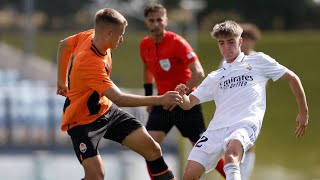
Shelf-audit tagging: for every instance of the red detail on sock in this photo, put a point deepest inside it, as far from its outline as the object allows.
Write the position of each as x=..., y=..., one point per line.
x=150, y=174
x=220, y=166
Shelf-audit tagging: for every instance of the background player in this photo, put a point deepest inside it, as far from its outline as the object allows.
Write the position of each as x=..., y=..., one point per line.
x=169, y=60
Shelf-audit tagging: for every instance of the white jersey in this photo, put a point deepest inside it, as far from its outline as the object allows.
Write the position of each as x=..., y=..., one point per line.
x=223, y=60
x=239, y=89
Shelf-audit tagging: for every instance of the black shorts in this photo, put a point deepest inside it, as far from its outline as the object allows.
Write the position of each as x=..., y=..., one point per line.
x=115, y=125
x=190, y=123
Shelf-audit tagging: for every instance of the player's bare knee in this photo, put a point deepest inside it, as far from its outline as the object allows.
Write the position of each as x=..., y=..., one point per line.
x=231, y=158
x=156, y=149
x=233, y=155
x=234, y=151
x=154, y=152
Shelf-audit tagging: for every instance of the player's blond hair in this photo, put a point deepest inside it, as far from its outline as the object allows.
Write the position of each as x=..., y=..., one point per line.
x=108, y=16
x=226, y=29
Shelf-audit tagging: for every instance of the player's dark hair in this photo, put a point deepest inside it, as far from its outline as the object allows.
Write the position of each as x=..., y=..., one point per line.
x=153, y=7
x=250, y=31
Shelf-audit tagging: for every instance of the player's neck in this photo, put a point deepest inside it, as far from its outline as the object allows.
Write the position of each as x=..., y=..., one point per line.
x=231, y=60
x=99, y=45
x=247, y=52
x=157, y=38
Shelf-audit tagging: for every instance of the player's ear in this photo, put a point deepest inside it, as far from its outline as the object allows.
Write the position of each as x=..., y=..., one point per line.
x=146, y=21
x=166, y=20
x=240, y=41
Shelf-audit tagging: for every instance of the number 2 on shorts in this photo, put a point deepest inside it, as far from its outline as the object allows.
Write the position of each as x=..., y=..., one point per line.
x=201, y=140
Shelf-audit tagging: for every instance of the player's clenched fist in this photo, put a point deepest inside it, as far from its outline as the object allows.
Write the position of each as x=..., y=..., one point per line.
x=182, y=89
x=170, y=98
x=62, y=89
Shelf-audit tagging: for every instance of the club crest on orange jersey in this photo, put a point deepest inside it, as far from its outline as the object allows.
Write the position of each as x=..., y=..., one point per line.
x=83, y=147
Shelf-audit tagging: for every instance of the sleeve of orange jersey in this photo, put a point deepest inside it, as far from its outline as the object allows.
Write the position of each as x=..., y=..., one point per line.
x=66, y=49
x=94, y=75
x=185, y=51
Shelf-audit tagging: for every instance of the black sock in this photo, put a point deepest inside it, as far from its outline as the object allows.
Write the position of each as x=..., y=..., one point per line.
x=159, y=169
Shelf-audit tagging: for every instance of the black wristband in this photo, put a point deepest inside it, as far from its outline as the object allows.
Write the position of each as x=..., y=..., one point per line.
x=148, y=89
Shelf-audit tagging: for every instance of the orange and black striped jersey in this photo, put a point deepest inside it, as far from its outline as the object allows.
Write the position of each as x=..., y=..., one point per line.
x=88, y=77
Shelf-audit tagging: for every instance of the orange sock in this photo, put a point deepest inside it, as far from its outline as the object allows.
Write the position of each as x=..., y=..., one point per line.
x=220, y=166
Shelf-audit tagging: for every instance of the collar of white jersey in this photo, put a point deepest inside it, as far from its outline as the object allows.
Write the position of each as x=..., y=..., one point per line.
x=238, y=59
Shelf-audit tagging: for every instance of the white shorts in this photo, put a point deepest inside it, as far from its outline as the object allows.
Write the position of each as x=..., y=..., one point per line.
x=213, y=144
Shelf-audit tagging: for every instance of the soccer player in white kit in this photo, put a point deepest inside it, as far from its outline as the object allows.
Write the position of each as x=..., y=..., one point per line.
x=239, y=92
x=250, y=35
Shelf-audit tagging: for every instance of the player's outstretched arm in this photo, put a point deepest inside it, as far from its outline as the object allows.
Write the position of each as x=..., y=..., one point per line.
x=197, y=74
x=188, y=100
x=298, y=91
x=131, y=100
x=63, y=56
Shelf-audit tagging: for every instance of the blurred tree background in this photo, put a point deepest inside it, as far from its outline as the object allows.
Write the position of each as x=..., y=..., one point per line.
x=61, y=18
x=75, y=14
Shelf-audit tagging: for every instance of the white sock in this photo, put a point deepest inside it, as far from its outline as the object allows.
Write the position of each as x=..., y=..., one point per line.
x=232, y=171
x=246, y=167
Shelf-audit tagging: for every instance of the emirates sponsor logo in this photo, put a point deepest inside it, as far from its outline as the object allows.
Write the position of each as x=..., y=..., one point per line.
x=234, y=82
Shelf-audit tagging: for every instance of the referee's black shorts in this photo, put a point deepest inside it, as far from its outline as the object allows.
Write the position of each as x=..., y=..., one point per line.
x=190, y=123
